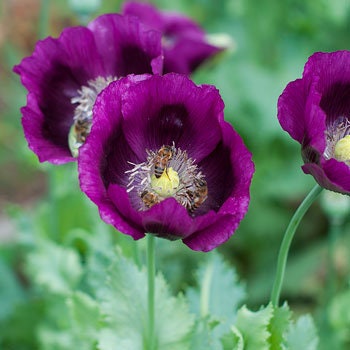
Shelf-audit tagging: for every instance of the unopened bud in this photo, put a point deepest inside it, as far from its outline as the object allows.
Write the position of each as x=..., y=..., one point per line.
x=335, y=205
x=84, y=8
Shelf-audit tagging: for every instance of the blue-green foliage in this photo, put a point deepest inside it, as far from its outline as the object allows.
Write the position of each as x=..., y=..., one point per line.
x=215, y=299
x=270, y=329
x=99, y=301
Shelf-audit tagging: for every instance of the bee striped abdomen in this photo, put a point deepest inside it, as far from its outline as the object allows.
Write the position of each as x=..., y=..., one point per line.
x=161, y=161
x=149, y=198
x=199, y=195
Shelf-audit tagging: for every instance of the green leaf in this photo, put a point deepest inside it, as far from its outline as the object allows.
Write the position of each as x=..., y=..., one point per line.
x=217, y=296
x=233, y=340
x=219, y=293
x=19, y=330
x=54, y=331
x=99, y=258
x=52, y=339
x=54, y=268
x=124, y=307
x=339, y=315
x=85, y=315
x=11, y=293
x=278, y=326
x=270, y=329
x=70, y=323
x=254, y=327
x=302, y=335
x=202, y=335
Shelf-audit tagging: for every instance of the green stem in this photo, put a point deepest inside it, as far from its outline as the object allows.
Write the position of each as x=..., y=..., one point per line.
x=333, y=234
x=331, y=280
x=151, y=269
x=287, y=240
x=44, y=19
x=136, y=254
x=54, y=222
x=205, y=289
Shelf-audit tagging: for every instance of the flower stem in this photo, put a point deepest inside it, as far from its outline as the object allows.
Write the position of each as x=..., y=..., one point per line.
x=287, y=240
x=205, y=289
x=44, y=19
x=333, y=234
x=151, y=269
x=52, y=199
x=331, y=278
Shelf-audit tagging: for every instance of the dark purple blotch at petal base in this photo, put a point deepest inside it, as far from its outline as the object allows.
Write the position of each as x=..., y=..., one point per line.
x=110, y=46
x=307, y=109
x=131, y=116
x=178, y=112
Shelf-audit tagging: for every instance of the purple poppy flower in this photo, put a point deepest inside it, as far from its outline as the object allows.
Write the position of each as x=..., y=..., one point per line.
x=184, y=41
x=161, y=159
x=63, y=77
x=315, y=111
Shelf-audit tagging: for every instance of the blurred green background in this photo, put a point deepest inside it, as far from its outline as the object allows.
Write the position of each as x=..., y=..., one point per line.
x=271, y=41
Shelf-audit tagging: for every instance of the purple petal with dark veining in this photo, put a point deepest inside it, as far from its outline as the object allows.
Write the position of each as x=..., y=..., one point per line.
x=230, y=190
x=332, y=175
x=52, y=75
x=184, y=42
x=126, y=46
x=225, y=163
x=36, y=134
x=98, y=164
x=172, y=109
x=309, y=106
x=291, y=109
x=112, y=45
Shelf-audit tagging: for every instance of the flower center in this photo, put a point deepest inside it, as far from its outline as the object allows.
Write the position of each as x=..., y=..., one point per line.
x=338, y=140
x=168, y=172
x=82, y=120
x=167, y=184
x=342, y=149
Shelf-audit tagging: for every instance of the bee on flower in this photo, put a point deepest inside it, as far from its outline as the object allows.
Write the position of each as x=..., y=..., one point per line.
x=161, y=159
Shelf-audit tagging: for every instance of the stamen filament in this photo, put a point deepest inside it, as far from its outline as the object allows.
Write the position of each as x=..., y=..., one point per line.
x=168, y=172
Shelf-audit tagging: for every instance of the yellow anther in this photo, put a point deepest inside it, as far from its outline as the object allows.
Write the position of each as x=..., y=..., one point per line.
x=167, y=184
x=342, y=149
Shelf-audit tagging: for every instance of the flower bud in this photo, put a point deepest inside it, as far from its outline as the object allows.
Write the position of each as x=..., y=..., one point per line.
x=335, y=205
x=84, y=8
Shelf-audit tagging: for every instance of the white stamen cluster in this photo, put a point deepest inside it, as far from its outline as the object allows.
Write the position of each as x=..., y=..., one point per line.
x=141, y=177
x=83, y=111
x=87, y=96
x=339, y=129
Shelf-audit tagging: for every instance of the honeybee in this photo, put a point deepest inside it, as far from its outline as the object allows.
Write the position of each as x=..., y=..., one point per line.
x=199, y=195
x=149, y=198
x=77, y=135
x=82, y=129
x=161, y=160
